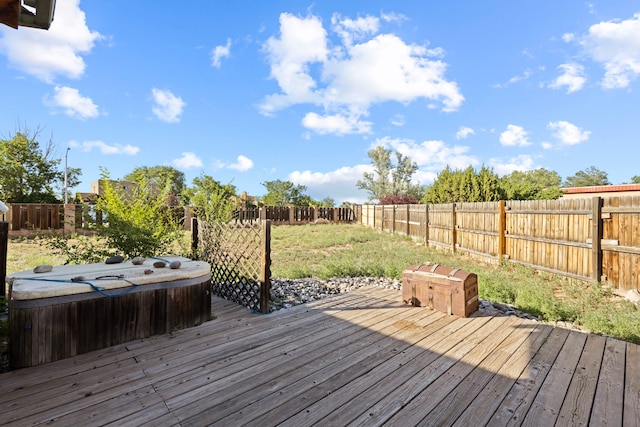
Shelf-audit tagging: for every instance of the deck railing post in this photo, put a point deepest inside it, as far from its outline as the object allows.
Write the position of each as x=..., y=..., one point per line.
x=265, y=267
x=4, y=239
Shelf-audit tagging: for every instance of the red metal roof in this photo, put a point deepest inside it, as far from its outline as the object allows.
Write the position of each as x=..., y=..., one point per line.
x=601, y=189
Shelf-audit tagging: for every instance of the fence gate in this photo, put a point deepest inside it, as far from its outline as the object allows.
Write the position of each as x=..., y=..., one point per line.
x=240, y=258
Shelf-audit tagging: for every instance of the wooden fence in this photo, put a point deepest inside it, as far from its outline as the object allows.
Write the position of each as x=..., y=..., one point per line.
x=27, y=218
x=295, y=215
x=596, y=239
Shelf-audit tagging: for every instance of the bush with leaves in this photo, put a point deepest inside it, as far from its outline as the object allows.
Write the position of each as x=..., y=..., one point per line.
x=137, y=222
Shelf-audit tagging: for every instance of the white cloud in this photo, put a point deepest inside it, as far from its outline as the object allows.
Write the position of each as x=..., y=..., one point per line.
x=339, y=184
x=515, y=79
x=302, y=41
x=351, y=30
x=73, y=104
x=616, y=45
x=514, y=135
x=187, y=161
x=573, y=78
x=398, y=120
x=220, y=52
x=167, y=107
x=567, y=133
x=547, y=145
x=335, y=124
x=523, y=162
x=355, y=74
x=393, y=17
x=431, y=155
x=242, y=164
x=104, y=148
x=464, y=132
x=56, y=52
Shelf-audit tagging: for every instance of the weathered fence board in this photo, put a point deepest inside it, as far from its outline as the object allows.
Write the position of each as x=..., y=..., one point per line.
x=594, y=239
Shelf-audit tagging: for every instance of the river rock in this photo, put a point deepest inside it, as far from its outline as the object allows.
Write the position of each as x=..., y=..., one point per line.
x=159, y=264
x=114, y=259
x=137, y=260
x=45, y=268
x=175, y=265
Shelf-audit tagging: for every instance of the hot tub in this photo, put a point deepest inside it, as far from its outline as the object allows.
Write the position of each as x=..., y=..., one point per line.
x=52, y=317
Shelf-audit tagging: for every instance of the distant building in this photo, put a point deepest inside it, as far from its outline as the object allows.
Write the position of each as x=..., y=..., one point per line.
x=125, y=188
x=601, y=191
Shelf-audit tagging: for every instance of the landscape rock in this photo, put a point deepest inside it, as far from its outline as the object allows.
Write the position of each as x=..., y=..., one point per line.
x=633, y=296
x=45, y=268
x=137, y=260
x=117, y=259
x=159, y=264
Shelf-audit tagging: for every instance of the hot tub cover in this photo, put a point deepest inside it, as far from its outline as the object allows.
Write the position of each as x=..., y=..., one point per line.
x=27, y=285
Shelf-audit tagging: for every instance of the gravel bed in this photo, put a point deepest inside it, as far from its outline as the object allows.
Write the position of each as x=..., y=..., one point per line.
x=285, y=293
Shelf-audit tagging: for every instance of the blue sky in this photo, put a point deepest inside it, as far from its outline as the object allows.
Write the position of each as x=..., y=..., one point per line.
x=249, y=92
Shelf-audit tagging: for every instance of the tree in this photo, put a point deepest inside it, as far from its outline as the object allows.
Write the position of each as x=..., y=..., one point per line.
x=635, y=179
x=281, y=193
x=539, y=184
x=211, y=200
x=29, y=174
x=164, y=178
x=453, y=186
x=327, y=202
x=388, y=179
x=588, y=177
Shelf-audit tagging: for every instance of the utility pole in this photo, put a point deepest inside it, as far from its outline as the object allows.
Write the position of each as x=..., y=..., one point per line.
x=65, y=175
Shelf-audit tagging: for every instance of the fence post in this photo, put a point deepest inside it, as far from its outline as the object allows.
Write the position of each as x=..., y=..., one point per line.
x=453, y=228
x=408, y=222
x=4, y=239
x=596, y=238
x=426, y=224
x=374, y=217
x=265, y=267
x=393, y=220
x=69, y=225
x=194, y=237
x=502, y=230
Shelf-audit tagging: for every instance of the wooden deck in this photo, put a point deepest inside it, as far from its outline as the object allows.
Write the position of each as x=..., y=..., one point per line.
x=361, y=358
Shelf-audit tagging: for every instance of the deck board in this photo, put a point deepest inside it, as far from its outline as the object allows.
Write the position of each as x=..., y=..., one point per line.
x=359, y=358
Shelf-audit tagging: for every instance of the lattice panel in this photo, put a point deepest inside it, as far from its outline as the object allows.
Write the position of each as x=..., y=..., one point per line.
x=235, y=254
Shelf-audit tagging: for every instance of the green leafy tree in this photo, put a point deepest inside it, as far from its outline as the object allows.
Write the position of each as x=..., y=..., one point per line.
x=210, y=199
x=452, y=186
x=635, y=179
x=165, y=179
x=29, y=173
x=538, y=184
x=327, y=202
x=281, y=193
x=387, y=178
x=588, y=177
